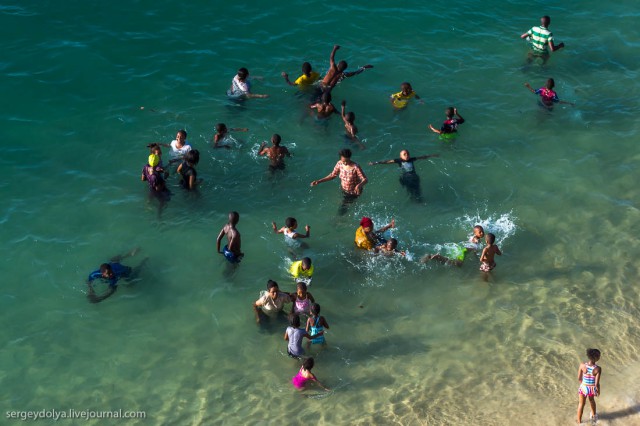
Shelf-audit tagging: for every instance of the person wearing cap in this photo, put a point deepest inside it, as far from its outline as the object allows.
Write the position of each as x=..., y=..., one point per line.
x=352, y=178
x=152, y=173
x=367, y=238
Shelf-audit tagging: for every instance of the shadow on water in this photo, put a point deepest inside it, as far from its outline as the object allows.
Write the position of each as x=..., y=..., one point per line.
x=629, y=411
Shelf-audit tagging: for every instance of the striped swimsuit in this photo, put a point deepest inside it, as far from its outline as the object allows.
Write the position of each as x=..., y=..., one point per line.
x=588, y=386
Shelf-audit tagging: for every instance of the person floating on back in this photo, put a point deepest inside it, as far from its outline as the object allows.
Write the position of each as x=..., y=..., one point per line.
x=541, y=39
x=449, y=129
x=401, y=99
x=548, y=96
x=409, y=178
x=589, y=377
x=337, y=72
x=231, y=251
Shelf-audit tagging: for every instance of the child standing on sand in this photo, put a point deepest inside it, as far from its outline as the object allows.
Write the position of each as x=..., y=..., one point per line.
x=486, y=259
x=589, y=377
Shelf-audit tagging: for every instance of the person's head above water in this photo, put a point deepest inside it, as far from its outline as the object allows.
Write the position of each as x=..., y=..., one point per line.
x=490, y=239
x=315, y=309
x=350, y=117
x=301, y=289
x=545, y=21
x=243, y=73
x=308, y=364
x=478, y=231
x=294, y=320
x=275, y=139
x=406, y=88
x=342, y=65
x=366, y=223
x=221, y=128
x=392, y=243
x=550, y=84
x=306, y=68
x=306, y=263
x=290, y=222
x=326, y=98
x=106, y=271
x=404, y=155
x=234, y=218
x=272, y=289
x=345, y=156
x=181, y=136
x=192, y=157
x=449, y=112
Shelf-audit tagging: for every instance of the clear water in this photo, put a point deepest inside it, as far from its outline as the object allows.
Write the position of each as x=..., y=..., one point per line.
x=409, y=343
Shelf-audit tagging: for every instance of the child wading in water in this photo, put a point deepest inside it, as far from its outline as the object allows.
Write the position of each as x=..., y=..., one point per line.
x=400, y=100
x=305, y=375
x=449, y=129
x=589, y=377
x=316, y=324
x=486, y=259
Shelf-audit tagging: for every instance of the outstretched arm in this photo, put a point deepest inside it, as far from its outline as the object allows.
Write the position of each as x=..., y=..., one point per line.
x=286, y=78
x=422, y=157
x=381, y=162
x=263, y=149
x=528, y=86
x=433, y=129
x=390, y=225
x=93, y=298
x=324, y=179
x=358, y=71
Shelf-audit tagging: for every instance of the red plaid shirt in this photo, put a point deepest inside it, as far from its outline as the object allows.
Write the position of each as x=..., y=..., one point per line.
x=350, y=176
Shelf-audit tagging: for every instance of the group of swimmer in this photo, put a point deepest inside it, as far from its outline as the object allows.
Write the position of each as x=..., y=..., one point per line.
x=271, y=303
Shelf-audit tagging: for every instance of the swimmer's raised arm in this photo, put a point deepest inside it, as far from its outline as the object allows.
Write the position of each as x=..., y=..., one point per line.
x=528, y=86
x=263, y=149
x=332, y=57
x=307, y=228
x=275, y=228
x=390, y=225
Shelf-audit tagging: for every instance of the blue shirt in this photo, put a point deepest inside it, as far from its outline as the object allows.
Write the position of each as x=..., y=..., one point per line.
x=119, y=271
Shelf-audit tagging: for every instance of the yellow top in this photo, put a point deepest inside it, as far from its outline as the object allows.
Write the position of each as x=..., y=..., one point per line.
x=362, y=241
x=296, y=270
x=400, y=100
x=303, y=80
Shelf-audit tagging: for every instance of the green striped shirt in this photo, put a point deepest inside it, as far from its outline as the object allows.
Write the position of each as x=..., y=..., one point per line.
x=540, y=38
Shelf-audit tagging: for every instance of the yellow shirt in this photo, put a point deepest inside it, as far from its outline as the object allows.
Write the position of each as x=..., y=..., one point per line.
x=400, y=100
x=303, y=80
x=362, y=241
x=296, y=270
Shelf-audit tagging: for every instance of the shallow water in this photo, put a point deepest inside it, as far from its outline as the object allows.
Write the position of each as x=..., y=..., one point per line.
x=409, y=343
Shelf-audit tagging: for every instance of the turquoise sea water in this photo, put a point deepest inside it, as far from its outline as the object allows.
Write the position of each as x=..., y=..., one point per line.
x=409, y=343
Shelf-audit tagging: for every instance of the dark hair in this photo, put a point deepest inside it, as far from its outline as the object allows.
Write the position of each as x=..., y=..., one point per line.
x=192, y=157
x=271, y=284
x=449, y=112
x=394, y=242
x=350, y=117
x=301, y=286
x=550, y=83
x=105, y=267
x=234, y=217
x=346, y=153
x=546, y=20
x=342, y=65
x=153, y=147
x=308, y=363
x=593, y=354
x=315, y=309
x=243, y=73
x=479, y=227
x=221, y=127
x=491, y=238
x=306, y=262
x=183, y=133
x=294, y=320
x=406, y=84
x=290, y=222
x=326, y=97
x=275, y=139
x=306, y=68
